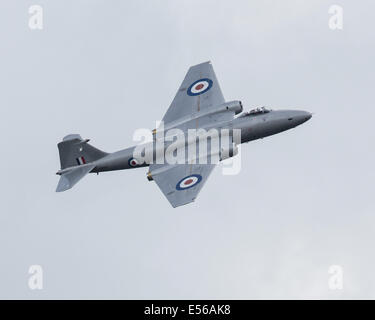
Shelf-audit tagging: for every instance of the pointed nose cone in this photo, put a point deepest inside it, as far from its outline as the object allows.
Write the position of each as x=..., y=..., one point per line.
x=307, y=116
x=303, y=116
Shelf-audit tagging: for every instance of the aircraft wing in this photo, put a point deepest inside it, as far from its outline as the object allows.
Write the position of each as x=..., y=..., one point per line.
x=198, y=91
x=181, y=183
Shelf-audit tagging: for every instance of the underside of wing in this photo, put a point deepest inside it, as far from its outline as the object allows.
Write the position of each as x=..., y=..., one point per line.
x=198, y=104
x=181, y=183
x=199, y=90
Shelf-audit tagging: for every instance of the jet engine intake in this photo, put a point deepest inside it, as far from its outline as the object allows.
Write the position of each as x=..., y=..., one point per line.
x=235, y=106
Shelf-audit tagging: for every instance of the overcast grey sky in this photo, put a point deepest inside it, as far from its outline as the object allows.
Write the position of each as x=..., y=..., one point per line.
x=303, y=201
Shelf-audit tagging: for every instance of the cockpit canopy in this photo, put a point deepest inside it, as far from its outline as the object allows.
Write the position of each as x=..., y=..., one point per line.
x=259, y=110
x=256, y=111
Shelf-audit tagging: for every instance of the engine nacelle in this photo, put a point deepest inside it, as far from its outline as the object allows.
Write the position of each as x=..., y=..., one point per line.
x=228, y=151
x=235, y=106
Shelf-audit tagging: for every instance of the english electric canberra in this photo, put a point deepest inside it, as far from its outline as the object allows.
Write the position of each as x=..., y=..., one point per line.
x=199, y=104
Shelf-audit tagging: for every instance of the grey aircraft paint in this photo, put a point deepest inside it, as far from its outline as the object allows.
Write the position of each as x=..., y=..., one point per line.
x=199, y=104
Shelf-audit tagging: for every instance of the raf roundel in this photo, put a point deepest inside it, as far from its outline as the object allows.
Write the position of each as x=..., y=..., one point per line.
x=133, y=162
x=188, y=182
x=199, y=87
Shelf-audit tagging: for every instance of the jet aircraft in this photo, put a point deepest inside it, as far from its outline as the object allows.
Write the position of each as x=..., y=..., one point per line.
x=198, y=104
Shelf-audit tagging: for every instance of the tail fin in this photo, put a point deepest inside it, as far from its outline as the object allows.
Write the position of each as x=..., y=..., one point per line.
x=76, y=157
x=76, y=151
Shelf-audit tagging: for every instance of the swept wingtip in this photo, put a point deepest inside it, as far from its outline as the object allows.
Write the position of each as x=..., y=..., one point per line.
x=202, y=63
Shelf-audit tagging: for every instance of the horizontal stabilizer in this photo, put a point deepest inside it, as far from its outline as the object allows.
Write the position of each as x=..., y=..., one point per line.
x=71, y=176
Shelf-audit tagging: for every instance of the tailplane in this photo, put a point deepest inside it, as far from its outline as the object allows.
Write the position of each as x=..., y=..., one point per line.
x=76, y=157
x=70, y=176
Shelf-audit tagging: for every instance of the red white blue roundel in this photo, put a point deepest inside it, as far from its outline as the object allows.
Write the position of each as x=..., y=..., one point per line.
x=189, y=182
x=133, y=162
x=199, y=87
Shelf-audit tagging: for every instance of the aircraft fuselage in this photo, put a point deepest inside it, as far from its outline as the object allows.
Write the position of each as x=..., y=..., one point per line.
x=252, y=127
